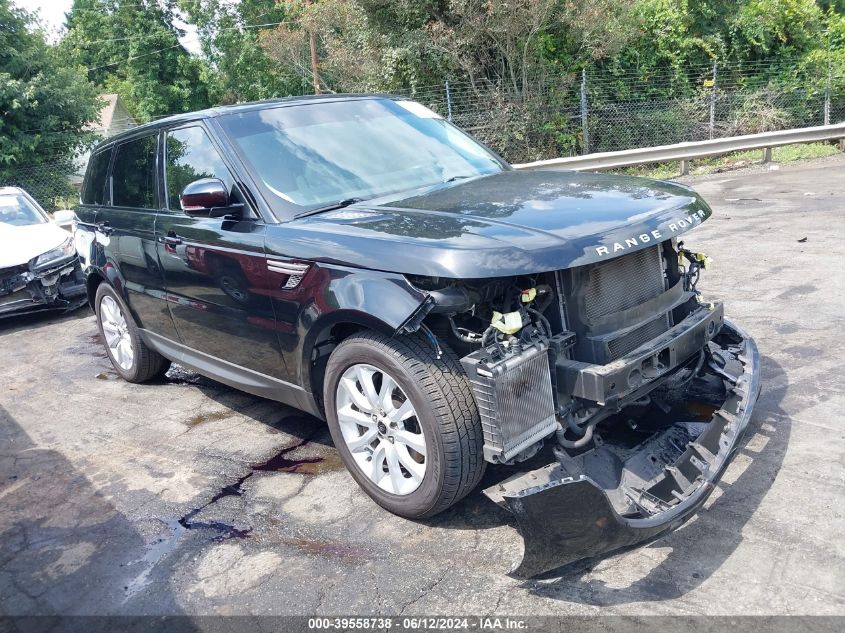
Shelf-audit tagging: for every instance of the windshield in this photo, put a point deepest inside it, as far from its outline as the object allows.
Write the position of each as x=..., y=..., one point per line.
x=18, y=211
x=317, y=154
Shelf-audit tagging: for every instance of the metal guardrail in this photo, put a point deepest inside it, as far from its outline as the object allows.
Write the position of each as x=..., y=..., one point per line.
x=687, y=151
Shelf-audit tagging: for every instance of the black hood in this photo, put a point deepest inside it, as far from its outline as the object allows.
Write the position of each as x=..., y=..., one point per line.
x=509, y=223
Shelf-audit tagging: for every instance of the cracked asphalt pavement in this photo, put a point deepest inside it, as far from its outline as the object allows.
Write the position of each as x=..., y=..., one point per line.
x=187, y=497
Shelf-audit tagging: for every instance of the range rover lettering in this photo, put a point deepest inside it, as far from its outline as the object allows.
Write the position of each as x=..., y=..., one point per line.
x=363, y=260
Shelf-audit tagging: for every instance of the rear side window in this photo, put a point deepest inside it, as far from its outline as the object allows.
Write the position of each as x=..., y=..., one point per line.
x=93, y=190
x=189, y=156
x=133, y=175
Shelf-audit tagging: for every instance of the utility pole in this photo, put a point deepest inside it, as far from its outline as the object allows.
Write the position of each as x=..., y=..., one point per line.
x=315, y=75
x=312, y=43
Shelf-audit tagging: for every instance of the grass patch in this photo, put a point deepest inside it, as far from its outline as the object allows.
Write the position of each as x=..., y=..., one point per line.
x=700, y=166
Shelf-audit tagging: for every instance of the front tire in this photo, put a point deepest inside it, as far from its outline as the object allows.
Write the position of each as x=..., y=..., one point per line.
x=129, y=355
x=404, y=422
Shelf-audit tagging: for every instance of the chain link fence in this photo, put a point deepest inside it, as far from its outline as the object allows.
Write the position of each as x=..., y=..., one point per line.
x=577, y=113
x=53, y=185
x=574, y=114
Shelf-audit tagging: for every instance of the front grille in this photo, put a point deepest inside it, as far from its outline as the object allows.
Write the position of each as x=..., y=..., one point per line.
x=514, y=398
x=624, y=282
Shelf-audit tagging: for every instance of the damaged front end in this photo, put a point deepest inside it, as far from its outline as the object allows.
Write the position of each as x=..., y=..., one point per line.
x=649, y=468
x=628, y=391
x=56, y=286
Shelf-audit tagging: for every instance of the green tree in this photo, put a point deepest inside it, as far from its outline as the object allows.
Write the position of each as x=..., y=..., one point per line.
x=240, y=70
x=44, y=109
x=776, y=29
x=666, y=43
x=132, y=48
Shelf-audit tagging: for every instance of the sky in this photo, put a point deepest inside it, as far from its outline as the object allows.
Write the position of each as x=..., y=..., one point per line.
x=52, y=14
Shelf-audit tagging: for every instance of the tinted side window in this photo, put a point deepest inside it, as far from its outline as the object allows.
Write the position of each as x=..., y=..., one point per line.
x=189, y=156
x=133, y=175
x=93, y=190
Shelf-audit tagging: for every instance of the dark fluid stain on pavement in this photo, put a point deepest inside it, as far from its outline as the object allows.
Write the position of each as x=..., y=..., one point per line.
x=804, y=351
x=278, y=463
x=202, y=418
x=93, y=346
x=156, y=552
x=315, y=465
x=165, y=545
x=282, y=464
x=307, y=465
x=226, y=531
x=797, y=291
x=326, y=549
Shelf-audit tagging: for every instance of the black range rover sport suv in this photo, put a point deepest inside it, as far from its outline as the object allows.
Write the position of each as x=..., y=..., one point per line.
x=362, y=259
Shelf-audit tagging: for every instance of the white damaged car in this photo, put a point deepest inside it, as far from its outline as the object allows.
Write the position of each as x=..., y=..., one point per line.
x=39, y=268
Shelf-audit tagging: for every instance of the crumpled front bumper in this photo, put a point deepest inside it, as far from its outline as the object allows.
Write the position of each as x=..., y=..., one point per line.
x=56, y=287
x=564, y=519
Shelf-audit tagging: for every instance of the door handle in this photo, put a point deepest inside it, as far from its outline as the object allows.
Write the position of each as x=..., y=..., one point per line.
x=171, y=239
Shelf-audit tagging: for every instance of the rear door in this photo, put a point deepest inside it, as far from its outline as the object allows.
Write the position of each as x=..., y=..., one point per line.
x=215, y=269
x=126, y=231
x=93, y=197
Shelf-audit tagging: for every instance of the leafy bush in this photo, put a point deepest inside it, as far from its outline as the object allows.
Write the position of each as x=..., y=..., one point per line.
x=758, y=113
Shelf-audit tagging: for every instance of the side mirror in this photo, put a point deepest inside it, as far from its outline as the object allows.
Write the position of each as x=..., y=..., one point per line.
x=64, y=218
x=207, y=197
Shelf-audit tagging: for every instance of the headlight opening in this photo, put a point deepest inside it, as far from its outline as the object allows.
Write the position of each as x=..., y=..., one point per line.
x=64, y=251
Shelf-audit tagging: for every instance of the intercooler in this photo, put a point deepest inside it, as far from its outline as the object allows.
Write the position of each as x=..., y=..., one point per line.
x=601, y=302
x=514, y=398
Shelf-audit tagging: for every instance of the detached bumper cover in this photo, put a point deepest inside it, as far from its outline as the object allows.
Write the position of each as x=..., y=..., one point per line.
x=563, y=519
x=55, y=287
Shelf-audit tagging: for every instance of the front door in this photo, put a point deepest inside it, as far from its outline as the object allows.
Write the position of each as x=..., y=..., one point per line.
x=215, y=269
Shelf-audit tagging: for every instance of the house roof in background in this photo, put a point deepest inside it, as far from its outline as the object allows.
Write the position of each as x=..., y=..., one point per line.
x=107, y=115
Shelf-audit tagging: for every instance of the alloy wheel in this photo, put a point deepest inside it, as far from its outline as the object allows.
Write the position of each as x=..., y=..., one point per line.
x=116, y=333
x=381, y=429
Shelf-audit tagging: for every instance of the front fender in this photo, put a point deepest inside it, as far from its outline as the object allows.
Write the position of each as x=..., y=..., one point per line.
x=383, y=302
x=386, y=300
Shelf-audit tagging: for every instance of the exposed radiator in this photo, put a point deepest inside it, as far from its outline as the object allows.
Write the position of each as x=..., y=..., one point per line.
x=623, y=282
x=596, y=294
x=514, y=398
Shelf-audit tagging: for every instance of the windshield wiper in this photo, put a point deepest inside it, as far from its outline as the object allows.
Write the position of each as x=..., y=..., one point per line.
x=329, y=207
x=454, y=178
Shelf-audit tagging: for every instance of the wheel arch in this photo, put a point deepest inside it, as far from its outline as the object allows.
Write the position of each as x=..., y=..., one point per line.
x=92, y=282
x=328, y=333
x=351, y=301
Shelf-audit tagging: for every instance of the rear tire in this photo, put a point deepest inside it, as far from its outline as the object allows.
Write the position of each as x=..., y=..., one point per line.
x=129, y=355
x=442, y=412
